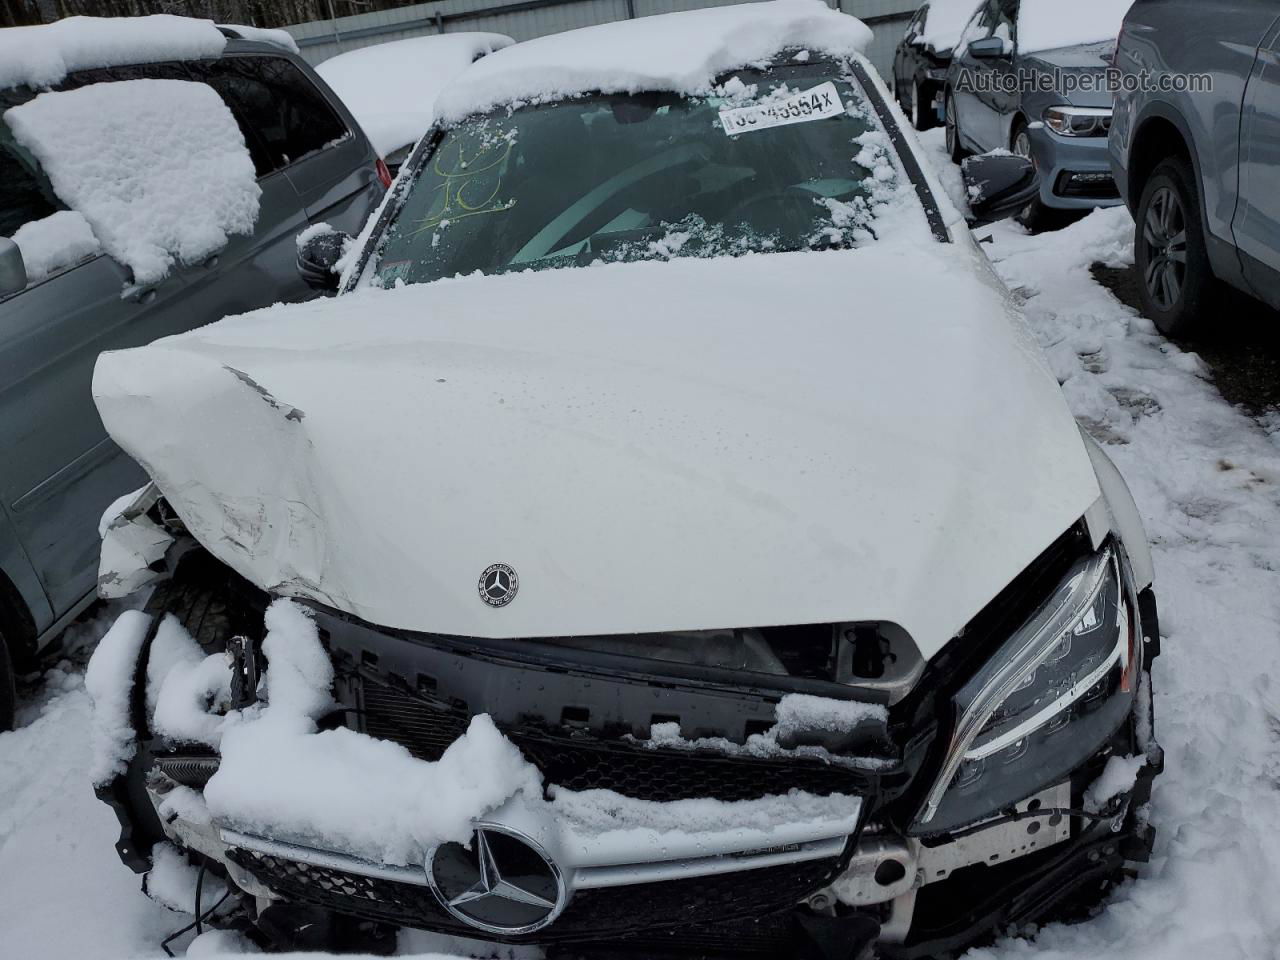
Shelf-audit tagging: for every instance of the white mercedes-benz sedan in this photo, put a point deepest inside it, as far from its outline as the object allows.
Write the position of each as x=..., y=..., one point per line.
x=669, y=538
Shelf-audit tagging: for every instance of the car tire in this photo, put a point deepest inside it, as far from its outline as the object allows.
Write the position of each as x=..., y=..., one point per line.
x=1175, y=279
x=8, y=694
x=209, y=600
x=951, y=123
x=922, y=117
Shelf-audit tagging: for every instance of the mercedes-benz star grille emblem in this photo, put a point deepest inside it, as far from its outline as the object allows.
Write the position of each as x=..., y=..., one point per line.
x=505, y=883
x=498, y=585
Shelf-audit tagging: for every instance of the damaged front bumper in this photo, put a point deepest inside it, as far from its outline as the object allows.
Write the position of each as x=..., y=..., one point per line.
x=746, y=886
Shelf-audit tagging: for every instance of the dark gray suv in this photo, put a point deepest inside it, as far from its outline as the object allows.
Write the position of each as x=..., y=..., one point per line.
x=1195, y=148
x=58, y=469
x=1027, y=78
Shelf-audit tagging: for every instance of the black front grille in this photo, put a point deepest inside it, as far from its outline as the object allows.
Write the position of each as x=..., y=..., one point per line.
x=426, y=726
x=728, y=909
x=1091, y=186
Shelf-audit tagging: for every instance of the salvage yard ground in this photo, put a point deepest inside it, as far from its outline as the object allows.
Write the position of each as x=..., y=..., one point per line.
x=1205, y=472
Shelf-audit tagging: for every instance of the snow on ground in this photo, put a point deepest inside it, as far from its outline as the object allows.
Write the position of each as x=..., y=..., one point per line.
x=1207, y=479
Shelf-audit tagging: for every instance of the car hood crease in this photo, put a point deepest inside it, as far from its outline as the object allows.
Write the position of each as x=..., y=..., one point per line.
x=778, y=439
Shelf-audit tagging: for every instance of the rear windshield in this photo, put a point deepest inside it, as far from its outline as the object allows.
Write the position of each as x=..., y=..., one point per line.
x=786, y=158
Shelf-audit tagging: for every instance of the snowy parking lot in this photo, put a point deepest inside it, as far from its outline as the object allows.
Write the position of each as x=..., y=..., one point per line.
x=1206, y=477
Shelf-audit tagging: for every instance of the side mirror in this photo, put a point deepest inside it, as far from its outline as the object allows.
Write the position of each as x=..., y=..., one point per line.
x=13, y=271
x=318, y=258
x=999, y=185
x=989, y=48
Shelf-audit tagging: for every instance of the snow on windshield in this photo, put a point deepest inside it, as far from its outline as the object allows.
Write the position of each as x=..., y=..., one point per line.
x=679, y=52
x=43, y=55
x=392, y=87
x=158, y=168
x=787, y=157
x=944, y=23
x=1050, y=24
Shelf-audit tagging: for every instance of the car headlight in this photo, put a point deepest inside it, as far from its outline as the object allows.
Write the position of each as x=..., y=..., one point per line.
x=1078, y=121
x=1046, y=702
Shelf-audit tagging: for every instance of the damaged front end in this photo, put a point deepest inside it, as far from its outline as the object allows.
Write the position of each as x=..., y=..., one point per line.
x=787, y=791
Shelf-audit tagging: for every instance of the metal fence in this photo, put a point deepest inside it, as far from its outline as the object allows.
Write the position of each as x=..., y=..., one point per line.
x=525, y=19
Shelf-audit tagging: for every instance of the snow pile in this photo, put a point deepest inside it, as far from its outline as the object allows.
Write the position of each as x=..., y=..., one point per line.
x=277, y=38
x=171, y=881
x=593, y=813
x=188, y=692
x=158, y=168
x=944, y=23
x=801, y=712
x=1052, y=24
x=796, y=714
x=109, y=680
x=1117, y=777
x=682, y=52
x=391, y=88
x=59, y=240
x=338, y=789
x=42, y=56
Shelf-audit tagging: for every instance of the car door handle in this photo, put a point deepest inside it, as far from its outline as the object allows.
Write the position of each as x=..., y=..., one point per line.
x=143, y=296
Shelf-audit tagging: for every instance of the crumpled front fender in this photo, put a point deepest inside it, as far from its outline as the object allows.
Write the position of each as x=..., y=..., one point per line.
x=133, y=545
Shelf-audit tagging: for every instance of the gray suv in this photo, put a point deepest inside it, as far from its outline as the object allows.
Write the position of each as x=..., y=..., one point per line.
x=1041, y=93
x=58, y=469
x=1200, y=169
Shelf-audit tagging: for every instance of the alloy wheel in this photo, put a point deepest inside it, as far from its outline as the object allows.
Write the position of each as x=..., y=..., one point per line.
x=1164, y=235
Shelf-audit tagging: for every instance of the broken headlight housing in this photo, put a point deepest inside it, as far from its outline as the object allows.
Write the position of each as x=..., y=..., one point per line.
x=1046, y=702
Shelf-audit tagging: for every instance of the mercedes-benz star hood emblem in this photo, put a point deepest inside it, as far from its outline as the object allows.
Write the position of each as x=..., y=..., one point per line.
x=505, y=883
x=498, y=585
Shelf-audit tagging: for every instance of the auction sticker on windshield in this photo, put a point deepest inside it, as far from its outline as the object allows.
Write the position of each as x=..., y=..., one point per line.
x=814, y=104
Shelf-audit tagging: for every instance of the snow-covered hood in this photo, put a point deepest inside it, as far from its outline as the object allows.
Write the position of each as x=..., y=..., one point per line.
x=773, y=439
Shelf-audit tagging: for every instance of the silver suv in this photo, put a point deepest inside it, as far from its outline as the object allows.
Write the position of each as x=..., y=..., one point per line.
x=1197, y=163
x=58, y=469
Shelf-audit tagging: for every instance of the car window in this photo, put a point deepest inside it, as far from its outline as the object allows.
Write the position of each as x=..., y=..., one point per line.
x=916, y=26
x=654, y=176
x=25, y=193
x=1005, y=17
x=284, y=111
x=280, y=112
x=979, y=26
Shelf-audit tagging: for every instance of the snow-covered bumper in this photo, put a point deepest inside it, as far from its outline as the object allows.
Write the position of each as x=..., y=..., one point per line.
x=741, y=829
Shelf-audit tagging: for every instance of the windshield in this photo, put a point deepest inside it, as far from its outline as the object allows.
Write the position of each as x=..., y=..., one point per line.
x=785, y=158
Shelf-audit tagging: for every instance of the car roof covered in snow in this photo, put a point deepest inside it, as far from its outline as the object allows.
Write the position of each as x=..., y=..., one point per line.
x=43, y=55
x=944, y=23
x=1051, y=25
x=679, y=52
x=392, y=87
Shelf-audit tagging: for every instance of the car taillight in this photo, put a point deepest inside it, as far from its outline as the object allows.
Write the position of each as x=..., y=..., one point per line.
x=384, y=175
